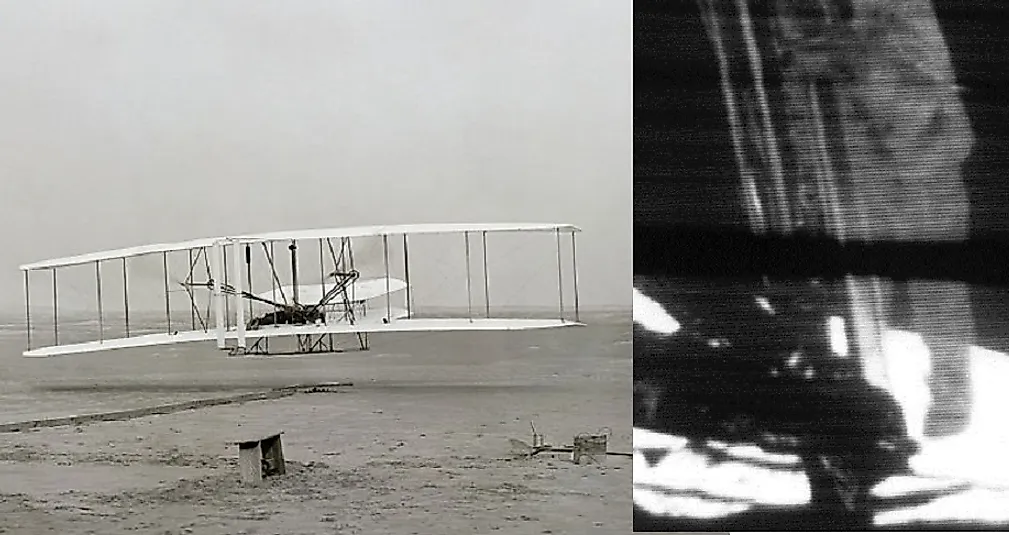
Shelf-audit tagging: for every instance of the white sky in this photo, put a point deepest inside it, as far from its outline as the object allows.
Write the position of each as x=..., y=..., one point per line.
x=127, y=122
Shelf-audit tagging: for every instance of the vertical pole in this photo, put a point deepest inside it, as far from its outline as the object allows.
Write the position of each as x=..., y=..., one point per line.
x=750, y=194
x=293, y=247
x=56, y=322
x=486, y=280
x=273, y=289
x=574, y=272
x=388, y=298
x=217, y=271
x=28, y=310
x=126, y=298
x=560, y=275
x=362, y=338
x=168, y=302
x=864, y=317
x=406, y=270
x=469, y=281
x=227, y=302
x=192, y=302
x=830, y=202
x=864, y=298
x=777, y=171
x=248, y=273
x=273, y=281
x=210, y=299
x=101, y=313
x=322, y=274
x=353, y=266
x=236, y=266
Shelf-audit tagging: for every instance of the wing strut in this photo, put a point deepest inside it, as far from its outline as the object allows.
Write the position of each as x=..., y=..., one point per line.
x=28, y=311
x=192, y=299
x=574, y=272
x=236, y=266
x=101, y=315
x=248, y=272
x=560, y=276
x=188, y=284
x=362, y=338
x=126, y=298
x=406, y=270
x=224, y=273
x=350, y=256
x=220, y=303
x=388, y=298
x=469, y=280
x=56, y=323
x=293, y=247
x=168, y=300
x=486, y=283
x=273, y=279
x=322, y=269
x=210, y=298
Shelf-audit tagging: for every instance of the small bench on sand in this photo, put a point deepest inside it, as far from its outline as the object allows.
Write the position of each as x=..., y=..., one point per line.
x=261, y=457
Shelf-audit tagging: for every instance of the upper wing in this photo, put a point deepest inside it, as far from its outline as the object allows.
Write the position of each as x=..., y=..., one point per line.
x=126, y=252
x=432, y=228
x=340, y=232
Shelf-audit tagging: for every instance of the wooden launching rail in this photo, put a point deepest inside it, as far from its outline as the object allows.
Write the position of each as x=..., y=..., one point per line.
x=169, y=408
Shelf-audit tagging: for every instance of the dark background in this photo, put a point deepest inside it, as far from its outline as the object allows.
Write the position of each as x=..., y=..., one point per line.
x=684, y=170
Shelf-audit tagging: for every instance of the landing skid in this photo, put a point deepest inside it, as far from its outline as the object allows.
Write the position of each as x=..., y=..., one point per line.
x=306, y=344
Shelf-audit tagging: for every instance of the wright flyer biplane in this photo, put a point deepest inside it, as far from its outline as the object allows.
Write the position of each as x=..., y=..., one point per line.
x=295, y=292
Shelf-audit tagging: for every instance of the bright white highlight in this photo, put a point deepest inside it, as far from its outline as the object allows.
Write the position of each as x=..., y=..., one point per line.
x=838, y=335
x=793, y=360
x=901, y=485
x=906, y=361
x=657, y=503
x=765, y=304
x=978, y=453
x=737, y=484
x=974, y=505
x=652, y=316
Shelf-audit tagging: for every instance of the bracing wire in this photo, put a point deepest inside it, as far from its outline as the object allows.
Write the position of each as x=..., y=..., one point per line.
x=273, y=272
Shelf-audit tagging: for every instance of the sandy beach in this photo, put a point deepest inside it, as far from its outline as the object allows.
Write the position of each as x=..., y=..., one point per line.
x=420, y=443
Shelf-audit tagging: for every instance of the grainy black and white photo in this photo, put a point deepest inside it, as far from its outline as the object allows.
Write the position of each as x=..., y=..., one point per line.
x=820, y=297
x=315, y=267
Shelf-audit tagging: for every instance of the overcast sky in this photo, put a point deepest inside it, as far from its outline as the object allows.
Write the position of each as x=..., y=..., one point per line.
x=125, y=122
